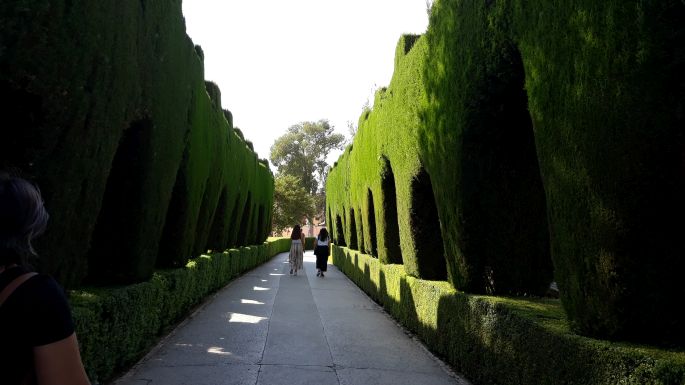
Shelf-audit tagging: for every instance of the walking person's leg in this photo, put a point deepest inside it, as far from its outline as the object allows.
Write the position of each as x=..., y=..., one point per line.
x=295, y=254
x=318, y=268
x=318, y=263
x=324, y=263
x=300, y=260
x=291, y=258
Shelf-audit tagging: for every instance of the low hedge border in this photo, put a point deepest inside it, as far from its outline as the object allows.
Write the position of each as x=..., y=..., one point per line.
x=116, y=326
x=309, y=243
x=501, y=340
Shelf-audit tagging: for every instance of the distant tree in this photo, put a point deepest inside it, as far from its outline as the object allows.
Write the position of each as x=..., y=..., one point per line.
x=291, y=202
x=302, y=151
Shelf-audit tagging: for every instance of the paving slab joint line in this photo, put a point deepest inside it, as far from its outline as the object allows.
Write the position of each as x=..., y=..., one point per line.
x=461, y=380
x=268, y=327
x=323, y=326
x=213, y=365
x=395, y=370
x=162, y=341
x=300, y=365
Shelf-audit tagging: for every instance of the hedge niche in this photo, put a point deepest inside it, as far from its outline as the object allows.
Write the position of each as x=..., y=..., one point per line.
x=339, y=234
x=106, y=108
x=390, y=251
x=499, y=340
x=488, y=183
x=424, y=224
x=605, y=98
x=113, y=252
x=353, y=233
x=551, y=136
x=147, y=310
x=371, y=224
x=384, y=163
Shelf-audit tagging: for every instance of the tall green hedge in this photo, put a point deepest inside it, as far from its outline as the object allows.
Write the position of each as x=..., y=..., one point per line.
x=551, y=134
x=500, y=197
x=105, y=106
x=497, y=340
x=385, y=162
x=478, y=144
x=117, y=325
x=604, y=83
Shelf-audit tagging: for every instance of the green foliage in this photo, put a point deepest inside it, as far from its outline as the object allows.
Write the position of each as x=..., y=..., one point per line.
x=200, y=52
x=108, y=111
x=302, y=152
x=384, y=162
x=77, y=73
x=546, y=130
x=487, y=185
x=604, y=88
x=309, y=243
x=117, y=325
x=229, y=117
x=291, y=203
x=495, y=340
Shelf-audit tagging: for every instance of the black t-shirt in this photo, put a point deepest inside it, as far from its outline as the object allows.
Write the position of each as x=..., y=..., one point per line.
x=36, y=314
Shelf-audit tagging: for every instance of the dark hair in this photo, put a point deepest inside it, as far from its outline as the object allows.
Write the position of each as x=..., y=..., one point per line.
x=323, y=234
x=22, y=217
x=297, y=232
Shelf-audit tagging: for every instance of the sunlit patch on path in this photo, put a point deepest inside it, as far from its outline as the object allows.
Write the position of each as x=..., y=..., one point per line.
x=285, y=329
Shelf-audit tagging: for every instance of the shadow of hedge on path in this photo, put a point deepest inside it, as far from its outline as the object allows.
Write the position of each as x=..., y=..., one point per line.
x=502, y=340
x=116, y=326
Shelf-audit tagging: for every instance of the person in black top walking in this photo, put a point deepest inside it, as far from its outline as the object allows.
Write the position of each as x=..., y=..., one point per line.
x=322, y=251
x=39, y=345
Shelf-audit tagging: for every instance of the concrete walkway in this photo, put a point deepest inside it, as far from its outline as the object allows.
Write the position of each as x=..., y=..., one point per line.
x=268, y=327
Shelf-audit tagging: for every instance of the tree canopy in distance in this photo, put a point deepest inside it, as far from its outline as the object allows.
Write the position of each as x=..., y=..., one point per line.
x=301, y=153
x=291, y=203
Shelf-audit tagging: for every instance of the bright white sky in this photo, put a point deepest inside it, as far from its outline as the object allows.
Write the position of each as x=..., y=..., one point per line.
x=282, y=62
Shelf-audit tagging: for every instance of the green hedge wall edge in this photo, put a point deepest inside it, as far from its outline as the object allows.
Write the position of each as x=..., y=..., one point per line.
x=116, y=326
x=105, y=106
x=604, y=83
x=600, y=87
x=495, y=340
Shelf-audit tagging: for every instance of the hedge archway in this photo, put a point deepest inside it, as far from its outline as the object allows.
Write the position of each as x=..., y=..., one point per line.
x=371, y=220
x=110, y=260
x=354, y=244
x=389, y=246
x=425, y=228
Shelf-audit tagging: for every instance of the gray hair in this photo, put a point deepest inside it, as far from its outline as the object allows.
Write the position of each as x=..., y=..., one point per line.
x=22, y=218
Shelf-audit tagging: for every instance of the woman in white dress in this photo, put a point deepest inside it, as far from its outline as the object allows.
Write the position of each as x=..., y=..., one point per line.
x=296, y=250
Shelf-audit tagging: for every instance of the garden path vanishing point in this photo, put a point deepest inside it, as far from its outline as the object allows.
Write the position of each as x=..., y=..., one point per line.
x=267, y=327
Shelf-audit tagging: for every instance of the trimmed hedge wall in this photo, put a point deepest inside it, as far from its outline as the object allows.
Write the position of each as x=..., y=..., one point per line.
x=508, y=245
x=116, y=326
x=548, y=133
x=309, y=243
x=381, y=167
x=495, y=340
x=105, y=106
x=604, y=87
